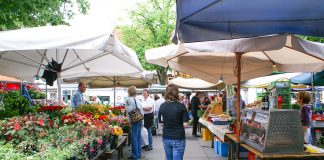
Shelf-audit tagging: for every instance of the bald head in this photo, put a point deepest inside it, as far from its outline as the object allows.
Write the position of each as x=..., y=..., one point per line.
x=82, y=87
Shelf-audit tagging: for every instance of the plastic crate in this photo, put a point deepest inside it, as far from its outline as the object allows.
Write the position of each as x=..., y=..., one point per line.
x=251, y=156
x=223, y=149
x=216, y=142
x=206, y=135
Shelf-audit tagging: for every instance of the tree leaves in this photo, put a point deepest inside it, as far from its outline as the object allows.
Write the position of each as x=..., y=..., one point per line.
x=152, y=24
x=17, y=14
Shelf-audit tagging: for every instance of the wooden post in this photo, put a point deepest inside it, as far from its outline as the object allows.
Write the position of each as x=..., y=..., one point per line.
x=238, y=57
x=238, y=94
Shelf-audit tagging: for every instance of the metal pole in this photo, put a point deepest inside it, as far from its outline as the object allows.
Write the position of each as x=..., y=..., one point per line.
x=46, y=93
x=313, y=90
x=114, y=90
x=59, y=88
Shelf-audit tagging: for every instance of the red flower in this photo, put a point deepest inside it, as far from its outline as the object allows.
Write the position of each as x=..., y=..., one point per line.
x=17, y=126
x=41, y=122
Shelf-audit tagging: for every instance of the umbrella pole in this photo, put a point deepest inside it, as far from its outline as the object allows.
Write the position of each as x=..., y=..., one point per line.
x=313, y=90
x=59, y=88
x=114, y=91
x=238, y=57
x=46, y=93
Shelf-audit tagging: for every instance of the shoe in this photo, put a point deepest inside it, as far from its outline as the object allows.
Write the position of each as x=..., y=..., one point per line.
x=131, y=157
x=197, y=135
x=144, y=147
x=148, y=148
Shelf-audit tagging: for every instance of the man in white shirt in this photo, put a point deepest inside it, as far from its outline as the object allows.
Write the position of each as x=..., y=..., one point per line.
x=148, y=107
x=156, y=113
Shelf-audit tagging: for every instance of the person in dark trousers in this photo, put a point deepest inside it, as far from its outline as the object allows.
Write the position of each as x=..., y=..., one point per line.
x=148, y=107
x=174, y=116
x=195, y=103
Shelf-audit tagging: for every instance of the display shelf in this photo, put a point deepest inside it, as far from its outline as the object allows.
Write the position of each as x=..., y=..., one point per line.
x=272, y=131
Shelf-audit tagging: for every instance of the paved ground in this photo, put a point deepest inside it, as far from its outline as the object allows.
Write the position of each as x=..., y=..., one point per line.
x=196, y=149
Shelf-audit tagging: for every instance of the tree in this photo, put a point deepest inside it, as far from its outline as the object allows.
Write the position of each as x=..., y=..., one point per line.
x=15, y=14
x=152, y=24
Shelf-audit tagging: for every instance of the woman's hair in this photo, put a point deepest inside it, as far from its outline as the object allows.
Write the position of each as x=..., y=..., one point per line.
x=172, y=93
x=305, y=97
x=132, y=91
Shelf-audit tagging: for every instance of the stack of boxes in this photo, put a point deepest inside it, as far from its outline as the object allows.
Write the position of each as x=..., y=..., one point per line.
x=280, y=97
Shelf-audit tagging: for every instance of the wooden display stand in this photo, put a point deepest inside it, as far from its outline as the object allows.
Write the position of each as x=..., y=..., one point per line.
x=215, y=109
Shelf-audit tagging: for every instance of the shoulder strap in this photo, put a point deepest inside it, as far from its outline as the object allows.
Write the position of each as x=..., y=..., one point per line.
x=135, y=102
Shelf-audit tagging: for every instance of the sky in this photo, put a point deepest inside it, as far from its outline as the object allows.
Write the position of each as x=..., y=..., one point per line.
x=105, y=14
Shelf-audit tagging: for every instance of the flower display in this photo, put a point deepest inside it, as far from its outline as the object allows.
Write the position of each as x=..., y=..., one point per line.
x=115, y=130
x=117, y=110
x=94, y=109
x=50, y=108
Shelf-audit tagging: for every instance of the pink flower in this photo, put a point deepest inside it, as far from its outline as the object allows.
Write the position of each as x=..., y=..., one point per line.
x=41, y=122
x=99, y=141
x=17, y=126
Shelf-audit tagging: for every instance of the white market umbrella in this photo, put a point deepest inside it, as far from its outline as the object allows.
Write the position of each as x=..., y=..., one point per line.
x=142, y=80
x=25, y=53
x=215, y=60
x=195, y=83
x=261, y=82
x=240, y=59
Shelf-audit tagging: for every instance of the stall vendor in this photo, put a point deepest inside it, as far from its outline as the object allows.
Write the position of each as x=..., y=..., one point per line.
x=78, y=98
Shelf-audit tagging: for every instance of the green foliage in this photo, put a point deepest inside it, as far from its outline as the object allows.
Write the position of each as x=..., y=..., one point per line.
x=14, y=104
x=314, y=39
x=296, y=106
x=152, y=24
x=17, y=14
x=36, y=95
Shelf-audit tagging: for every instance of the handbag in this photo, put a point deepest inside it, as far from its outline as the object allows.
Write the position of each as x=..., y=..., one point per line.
x=135, y=115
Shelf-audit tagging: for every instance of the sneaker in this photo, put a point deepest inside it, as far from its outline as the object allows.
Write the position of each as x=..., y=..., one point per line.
x=148, y=148
x=144, y=147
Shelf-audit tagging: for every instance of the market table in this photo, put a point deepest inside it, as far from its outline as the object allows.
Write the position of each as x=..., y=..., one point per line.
x=218, y=130
x=119, y=148
x=232, y=138
x=281, y=155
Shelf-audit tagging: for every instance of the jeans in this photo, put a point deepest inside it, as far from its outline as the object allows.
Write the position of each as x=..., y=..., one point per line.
x=174, y=149
x=149, y=131
x=136, y=139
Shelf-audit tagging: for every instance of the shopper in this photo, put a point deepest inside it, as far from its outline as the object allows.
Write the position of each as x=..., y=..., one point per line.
x=148, y=107
x=131, y=104
x=206, y=101
x=305, y=113
x=195, y=103
x=174, y=117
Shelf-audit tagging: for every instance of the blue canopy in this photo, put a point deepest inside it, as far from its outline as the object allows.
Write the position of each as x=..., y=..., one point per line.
x=306, y=78
x=205, y=20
